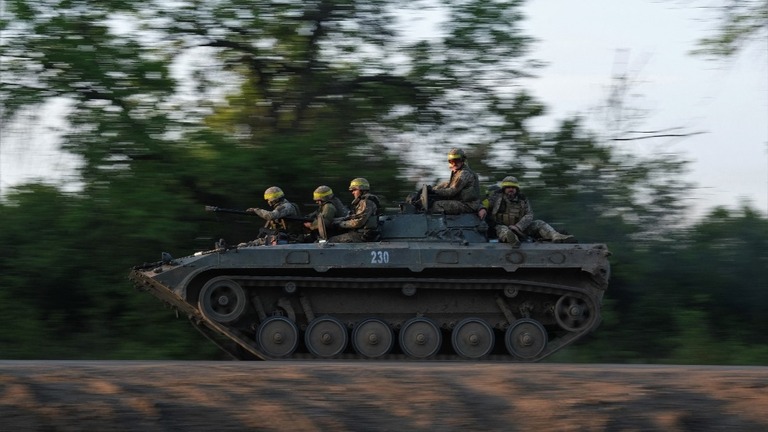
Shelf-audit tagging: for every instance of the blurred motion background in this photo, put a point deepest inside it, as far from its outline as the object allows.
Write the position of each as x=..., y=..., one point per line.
x=144, y=112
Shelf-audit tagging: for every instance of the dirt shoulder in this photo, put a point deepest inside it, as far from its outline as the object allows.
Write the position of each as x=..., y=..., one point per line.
x=373, y=396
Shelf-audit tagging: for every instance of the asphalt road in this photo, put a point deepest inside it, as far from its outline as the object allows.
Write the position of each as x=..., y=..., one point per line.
x=378, y=396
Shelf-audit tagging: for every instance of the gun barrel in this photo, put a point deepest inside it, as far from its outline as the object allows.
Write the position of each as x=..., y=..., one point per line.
x=235, y=211
x=226, y=210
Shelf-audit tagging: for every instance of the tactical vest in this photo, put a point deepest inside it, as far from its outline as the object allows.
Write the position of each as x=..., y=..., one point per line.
x=373, y=221
x=341, y=209
x=279, y=224
x=508, y=212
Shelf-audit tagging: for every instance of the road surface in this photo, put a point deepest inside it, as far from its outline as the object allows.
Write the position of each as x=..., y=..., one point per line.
x=378, y=396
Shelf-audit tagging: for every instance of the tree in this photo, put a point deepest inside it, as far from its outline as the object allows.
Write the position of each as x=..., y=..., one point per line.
x=740, y=24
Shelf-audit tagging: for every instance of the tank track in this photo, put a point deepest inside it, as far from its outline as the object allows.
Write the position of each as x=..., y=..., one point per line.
x=532, y=319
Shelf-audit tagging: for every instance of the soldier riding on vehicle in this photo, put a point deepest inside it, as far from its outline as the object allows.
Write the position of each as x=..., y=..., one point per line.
x=276, y=228
x=329, y=207
x=461, y=193
x=362, y=224
x=511, y=212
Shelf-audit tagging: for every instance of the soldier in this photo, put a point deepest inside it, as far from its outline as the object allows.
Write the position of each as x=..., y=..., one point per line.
x=511, y=211
x=281, y=208
x=362, y=224
x=329, y=207
x=461, y=193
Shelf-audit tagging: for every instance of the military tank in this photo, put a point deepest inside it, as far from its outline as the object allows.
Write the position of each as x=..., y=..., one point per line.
x=433, y=287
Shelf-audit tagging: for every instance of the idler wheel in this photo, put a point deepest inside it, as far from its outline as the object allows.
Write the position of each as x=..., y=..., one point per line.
x=420, y=338
x=278, y=336
x=222, y=300
x=572, y=313
x=472, y=338
x=526, y=339
x=326, y=337
x=373, y=338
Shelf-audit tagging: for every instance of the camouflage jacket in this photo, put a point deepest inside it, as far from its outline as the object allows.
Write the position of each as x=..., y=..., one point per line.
x=282, y=209
x=462, y=186
x=341, y=209
x=516, y=211
x=364, y=214
x=329, y=210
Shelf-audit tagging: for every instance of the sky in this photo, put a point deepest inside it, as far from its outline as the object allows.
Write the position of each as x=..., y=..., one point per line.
x=584, y=43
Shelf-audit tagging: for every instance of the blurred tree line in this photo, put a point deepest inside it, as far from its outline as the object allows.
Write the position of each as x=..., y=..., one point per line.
x=177, y=105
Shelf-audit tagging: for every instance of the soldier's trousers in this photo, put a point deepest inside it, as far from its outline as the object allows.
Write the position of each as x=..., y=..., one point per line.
x=347, y=237
x=537, y=229
x=451, y=207
x=364, y=235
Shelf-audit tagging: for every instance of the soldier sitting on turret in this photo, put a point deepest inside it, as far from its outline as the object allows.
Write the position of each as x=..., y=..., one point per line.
x=461, y=193
x=511, y=211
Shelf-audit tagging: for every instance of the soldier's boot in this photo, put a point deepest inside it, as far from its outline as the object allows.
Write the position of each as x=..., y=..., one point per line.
x=563, y=238
x=549, y=233
x=511, y=238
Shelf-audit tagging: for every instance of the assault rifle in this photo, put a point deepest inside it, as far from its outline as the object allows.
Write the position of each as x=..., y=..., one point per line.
x=321, y=228
x=243, y=212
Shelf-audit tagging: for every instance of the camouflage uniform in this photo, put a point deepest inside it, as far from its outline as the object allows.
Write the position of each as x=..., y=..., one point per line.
x=330, y=210
x=341, y=209
x=362, y=222
x=460, y=194
x=280, y=210
x=516, y=212
x=276, y=228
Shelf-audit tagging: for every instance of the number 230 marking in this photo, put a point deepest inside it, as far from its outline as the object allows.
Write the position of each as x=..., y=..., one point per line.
x=379, y=257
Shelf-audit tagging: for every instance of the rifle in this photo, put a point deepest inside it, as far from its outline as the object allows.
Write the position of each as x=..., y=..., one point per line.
x=226, y=210
x=243, y=212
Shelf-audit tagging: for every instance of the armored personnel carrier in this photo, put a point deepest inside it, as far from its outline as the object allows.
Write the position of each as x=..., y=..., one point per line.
x=432, y=288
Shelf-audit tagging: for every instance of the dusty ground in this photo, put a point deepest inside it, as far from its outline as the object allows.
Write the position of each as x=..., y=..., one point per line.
x=370, y=396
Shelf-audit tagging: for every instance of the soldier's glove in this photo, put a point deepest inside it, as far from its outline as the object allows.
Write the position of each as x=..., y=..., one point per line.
x=518, y=232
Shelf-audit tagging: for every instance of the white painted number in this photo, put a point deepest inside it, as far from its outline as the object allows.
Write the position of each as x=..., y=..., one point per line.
x=379, y=257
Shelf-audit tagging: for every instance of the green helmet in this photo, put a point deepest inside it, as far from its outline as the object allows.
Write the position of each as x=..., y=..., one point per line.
x=509, y=181
x=359, y=184
x=322, y=193
x=456, y=153
x=273, y=194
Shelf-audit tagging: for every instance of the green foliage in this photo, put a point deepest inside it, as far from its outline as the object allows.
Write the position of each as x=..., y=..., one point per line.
x=64, y=287
x=739, y=24
x=696, y=297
